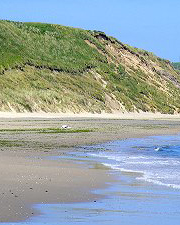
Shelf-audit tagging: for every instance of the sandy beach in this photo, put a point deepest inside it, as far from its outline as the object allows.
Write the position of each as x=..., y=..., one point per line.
x=28, y=177
x=29, y=181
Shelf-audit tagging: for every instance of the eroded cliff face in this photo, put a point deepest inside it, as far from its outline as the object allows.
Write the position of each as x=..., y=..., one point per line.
x=53, y=68
x=146, y=82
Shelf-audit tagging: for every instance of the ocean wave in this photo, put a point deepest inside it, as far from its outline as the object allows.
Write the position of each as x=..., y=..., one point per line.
x=146, y=177
x=115, y=167
x=155, y=163
x=158, y=162
x=151, y=180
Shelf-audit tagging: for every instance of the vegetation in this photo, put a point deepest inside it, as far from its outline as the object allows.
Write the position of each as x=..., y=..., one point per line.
x=47, y=46
x=7, y=143
x=176, y=65
x=53, y=68
x=47, y=130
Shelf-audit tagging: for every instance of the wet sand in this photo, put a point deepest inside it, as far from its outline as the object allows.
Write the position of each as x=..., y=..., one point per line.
x=29, y=181
x=28, y=178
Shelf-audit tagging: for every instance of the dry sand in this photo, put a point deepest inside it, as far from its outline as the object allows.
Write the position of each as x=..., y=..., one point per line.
x=27, y=178
x=119, y=115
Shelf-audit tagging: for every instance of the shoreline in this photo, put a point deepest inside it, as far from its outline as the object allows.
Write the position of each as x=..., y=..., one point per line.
x=28, y=181
x=25, y=172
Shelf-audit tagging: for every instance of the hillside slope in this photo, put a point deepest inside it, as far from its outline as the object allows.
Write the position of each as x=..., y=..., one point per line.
x=53, y=68
x=176, y=65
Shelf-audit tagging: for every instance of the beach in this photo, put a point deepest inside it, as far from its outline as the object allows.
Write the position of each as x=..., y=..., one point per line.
x=29, y=176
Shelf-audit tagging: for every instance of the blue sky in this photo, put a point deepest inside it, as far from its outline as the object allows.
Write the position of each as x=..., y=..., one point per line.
x=153, y=25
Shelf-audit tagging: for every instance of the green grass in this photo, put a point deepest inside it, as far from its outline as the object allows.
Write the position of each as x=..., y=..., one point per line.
x=47, y=130
x=47, y=46
x=57, y=130
x=176, y=65
x=51, y=68
x=7, y=143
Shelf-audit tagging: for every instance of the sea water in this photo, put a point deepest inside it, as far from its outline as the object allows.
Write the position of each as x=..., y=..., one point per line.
x=156, y=158
x=146, y=189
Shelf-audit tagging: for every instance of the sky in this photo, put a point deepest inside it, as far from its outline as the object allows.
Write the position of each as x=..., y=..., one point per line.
x=153, y=25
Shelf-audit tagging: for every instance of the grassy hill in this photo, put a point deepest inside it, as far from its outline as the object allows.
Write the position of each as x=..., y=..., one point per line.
x=53, y=68
x=176, y=65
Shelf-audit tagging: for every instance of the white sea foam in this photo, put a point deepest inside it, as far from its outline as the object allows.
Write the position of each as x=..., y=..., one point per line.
x=157, y=149
x=114, y=167
x=155, y=163
x=151, y=180
x=162, y=171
